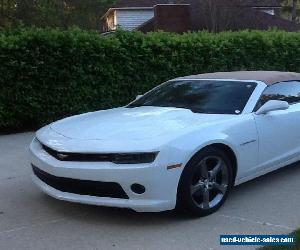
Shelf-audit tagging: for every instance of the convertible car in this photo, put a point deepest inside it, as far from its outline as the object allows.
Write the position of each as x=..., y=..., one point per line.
x=183, y=144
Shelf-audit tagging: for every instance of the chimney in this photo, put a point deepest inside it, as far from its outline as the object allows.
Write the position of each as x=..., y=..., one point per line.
x=172, y=17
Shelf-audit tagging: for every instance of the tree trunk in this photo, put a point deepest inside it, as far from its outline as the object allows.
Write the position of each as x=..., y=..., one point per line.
x=294, y=11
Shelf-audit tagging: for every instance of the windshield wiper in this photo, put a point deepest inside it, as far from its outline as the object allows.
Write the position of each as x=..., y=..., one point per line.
x=134, y=105
x=194, y=110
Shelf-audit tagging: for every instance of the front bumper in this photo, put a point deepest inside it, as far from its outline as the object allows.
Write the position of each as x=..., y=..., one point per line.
x=160, y=183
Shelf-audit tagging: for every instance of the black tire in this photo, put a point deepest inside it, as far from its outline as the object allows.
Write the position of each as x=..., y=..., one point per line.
x=198, y=203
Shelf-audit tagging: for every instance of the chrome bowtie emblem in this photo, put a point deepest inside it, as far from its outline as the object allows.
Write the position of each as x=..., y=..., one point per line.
x=62, y=156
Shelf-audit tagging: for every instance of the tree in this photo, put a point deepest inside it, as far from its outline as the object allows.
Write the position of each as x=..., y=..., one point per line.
x=220, y=14
x=88, y=12
x=291, y=10
x=7, y=10
x=294, y=10
x=54, y=13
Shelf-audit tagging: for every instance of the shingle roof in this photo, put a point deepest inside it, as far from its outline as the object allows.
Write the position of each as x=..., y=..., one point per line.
x=260, y=3
x=139, y=3
x=151, y=3
x=242, y=17
x=268, y=77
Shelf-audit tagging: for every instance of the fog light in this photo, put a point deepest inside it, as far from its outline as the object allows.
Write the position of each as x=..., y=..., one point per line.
x=138, y=188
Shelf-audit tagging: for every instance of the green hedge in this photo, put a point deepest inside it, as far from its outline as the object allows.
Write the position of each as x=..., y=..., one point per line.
x=48, y=74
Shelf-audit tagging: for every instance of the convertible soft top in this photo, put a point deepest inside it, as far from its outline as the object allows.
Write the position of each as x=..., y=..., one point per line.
x=268, y=77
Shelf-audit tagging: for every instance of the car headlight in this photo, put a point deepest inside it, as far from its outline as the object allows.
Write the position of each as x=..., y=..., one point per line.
x=134, y=158
x=117, y=158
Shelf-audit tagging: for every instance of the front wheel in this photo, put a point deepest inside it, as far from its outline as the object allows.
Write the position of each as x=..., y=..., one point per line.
x=205, y=182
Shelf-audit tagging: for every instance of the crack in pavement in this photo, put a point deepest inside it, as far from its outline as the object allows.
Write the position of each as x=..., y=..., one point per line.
x=256, y=222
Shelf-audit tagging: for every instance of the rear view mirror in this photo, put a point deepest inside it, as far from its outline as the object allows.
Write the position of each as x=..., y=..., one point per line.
x=272, y=105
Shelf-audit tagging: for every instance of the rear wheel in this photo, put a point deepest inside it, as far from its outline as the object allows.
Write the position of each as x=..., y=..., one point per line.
x=205, y=182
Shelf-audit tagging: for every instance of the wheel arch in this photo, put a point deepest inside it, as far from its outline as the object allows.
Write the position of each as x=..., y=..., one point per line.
x=231, y=155
x=227, y=150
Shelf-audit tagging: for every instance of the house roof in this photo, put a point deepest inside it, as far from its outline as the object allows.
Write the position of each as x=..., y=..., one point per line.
x=151, y=3
x=242, y=17
x=140, y=3
x=268, y=77
x=260, y=3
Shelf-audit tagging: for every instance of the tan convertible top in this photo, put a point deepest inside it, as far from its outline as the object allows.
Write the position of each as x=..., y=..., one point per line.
x=268, y=77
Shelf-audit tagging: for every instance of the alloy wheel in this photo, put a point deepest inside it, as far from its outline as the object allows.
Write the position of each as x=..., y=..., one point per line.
x=210, y=182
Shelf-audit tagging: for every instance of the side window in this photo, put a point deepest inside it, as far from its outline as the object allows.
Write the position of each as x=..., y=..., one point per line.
x=284, y=91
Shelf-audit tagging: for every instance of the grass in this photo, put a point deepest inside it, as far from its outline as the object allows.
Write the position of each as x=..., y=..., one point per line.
x=295, y=247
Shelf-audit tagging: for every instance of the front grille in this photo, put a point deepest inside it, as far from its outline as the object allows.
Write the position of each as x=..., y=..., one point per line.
x=118, y=158
x=82, y=187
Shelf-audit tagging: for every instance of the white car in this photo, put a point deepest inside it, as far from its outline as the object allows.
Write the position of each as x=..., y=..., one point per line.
x=182, y=145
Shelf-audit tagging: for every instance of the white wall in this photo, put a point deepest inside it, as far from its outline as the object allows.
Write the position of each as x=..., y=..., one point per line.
x=131, y=19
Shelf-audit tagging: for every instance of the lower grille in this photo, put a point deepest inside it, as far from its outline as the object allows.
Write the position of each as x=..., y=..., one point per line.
x=82, y=187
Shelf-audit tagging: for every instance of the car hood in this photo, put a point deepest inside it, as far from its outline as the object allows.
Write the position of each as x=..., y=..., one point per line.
x=138, y=123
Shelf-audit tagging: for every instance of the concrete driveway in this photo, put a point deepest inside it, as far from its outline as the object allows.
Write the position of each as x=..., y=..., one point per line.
x=31, y=220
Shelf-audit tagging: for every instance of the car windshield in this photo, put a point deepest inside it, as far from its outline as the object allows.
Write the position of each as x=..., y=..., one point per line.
x=199, y=96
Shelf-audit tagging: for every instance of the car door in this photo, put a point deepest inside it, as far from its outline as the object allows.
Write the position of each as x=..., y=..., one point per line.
x=279, y=131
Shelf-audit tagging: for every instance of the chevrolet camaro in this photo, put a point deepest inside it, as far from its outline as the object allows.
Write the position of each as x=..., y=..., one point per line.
x=183, y=144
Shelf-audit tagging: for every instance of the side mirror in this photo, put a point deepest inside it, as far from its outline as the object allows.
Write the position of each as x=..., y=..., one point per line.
x=138, y=97
x=272, y=105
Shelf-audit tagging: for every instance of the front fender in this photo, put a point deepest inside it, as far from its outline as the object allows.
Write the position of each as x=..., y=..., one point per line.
x=240, y=136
